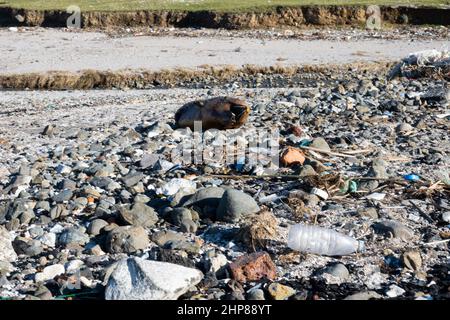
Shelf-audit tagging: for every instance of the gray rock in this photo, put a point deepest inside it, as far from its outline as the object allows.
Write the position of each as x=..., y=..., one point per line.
x=404, y=128
x=255, y=294
x=148, y=160
x=320, y=143
x=27, y=247
x=36, y=232
x=43, y=205
x=234, y=205
x=132, y=178
x=369, y=212
x=5, y=268
x=205, y=197
x=127, y=239
x=395, y=229
x=337, y=270
x=7, y=252
x=165, y=236
x=378, y=169
x=139, y=215
x=188, y=225
x=177, y=215
x=63, y=196
x=138, y=279
x=58, y=211
x=73, y=236
x=96, y=226
x=307, y=171
x=446, y=216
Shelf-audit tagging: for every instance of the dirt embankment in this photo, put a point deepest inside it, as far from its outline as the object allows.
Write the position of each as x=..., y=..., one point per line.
x=277, y=17
x=247, y=76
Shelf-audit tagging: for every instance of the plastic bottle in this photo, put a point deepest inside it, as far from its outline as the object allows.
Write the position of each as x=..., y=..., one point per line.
x=313, y=239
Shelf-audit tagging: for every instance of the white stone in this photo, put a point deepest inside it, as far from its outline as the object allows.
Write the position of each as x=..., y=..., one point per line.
x=73, y=266
x=218, y=262
x=394, y=291
x=49, y=273
x=7, y=252
x=175, y=185
x=48, y=239
x=139, y=279
x=446, y=216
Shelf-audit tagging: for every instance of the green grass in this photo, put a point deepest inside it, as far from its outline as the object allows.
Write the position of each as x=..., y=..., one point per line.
x=193, y=5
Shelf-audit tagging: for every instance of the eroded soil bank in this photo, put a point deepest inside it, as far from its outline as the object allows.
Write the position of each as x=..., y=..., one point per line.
x=206, y=77
x=276, y=17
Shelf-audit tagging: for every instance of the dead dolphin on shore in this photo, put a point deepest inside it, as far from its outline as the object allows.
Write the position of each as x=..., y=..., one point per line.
x=216, y=113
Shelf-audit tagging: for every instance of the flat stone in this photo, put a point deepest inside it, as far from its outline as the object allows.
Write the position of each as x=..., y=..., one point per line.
x=138, y=279
x=49, y=273
x=63, y=196
x=255, y=294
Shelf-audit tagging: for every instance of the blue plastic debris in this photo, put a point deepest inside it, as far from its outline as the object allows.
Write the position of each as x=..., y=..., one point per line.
x=305, y=143
x=411, y=177
x=240, y=163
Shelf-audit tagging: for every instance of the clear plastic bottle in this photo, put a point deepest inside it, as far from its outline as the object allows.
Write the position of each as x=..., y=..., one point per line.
x=313, y=239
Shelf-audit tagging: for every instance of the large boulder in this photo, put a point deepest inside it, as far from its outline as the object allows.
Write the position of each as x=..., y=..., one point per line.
x=139, y=279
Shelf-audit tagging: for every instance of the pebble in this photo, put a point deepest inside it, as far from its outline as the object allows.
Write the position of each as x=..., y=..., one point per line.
x=280, y=292
x=369, y=212
x=338, y=271
x=395, y=229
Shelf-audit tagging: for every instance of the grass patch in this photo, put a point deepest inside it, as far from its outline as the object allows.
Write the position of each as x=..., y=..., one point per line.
x=196, y=5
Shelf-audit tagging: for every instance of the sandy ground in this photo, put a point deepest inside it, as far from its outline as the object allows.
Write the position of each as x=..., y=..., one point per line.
x=47, y=49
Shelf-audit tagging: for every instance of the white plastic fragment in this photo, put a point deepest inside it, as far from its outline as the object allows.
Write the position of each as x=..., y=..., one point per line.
x=320, y=193
x=376, y=196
